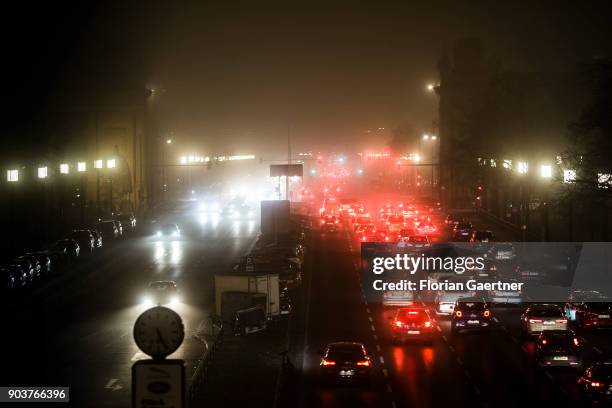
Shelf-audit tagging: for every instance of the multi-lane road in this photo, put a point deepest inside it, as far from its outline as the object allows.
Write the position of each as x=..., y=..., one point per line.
x=479, y=369
x=76, y=330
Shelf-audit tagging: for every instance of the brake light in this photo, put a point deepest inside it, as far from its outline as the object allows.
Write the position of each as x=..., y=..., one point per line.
x=544, y=341
x=386, y=238
x=365, y=363
x=326, y=363
x=458, y=313
x=576, y=342
x=336, y=221
x=596, y=384
x=413, y=312
x=322, y=221
x=427, y=323
x=363, y=238
x=562, y=321
x=535, y=321
x=399, y=323
x=487, y=313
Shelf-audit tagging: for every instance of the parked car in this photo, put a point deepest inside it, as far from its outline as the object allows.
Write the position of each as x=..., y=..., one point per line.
x=85, y=240
x=595, y=383
x=7, y=280
x=22, y=279
x=70, y=246
x=97, y=238
x=35, y=264
x=26, y=266
x=108, y=229
x=128, y=221
x=44, y=259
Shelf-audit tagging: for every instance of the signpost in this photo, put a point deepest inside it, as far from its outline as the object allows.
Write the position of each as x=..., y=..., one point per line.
x=158, y=382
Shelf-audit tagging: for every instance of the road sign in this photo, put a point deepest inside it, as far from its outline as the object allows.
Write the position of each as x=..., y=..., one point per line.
x=289, y=170
x=249, y=264
x=158, y=383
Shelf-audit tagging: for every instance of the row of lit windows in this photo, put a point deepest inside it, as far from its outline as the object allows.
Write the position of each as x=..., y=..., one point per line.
x=12, y=175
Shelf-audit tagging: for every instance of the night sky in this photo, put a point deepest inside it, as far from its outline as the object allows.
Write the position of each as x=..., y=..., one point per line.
x=235, y=75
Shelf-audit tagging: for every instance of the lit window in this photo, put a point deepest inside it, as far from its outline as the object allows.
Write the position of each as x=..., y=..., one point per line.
x=569, y=176
x=507, y=164
x=12, y=175
x=522, y=167
x=110, y=163
x=98, y=164
x=64, y=168
x=546, y=171
x=42, y=172
x=81, y=166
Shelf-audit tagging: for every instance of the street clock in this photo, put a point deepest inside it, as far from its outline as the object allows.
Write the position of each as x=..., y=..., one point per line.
x=159, y=332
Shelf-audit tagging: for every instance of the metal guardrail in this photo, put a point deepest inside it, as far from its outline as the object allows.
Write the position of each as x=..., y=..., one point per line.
x=201, y=371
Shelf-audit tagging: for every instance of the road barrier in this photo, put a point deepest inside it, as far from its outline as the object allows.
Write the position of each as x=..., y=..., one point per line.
x=199, y=375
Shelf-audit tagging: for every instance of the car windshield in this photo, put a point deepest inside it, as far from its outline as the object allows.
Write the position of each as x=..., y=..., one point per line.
x=404, y=315
x=559, y=340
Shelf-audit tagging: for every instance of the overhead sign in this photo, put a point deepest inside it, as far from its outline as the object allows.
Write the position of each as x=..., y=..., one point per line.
x=158, y=383
x=289, y=170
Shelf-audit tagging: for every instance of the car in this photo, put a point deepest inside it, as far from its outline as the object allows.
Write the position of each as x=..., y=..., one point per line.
x=285, y=302
x=482, y=236
x=558, y=348
x=412, y=323
x=69, y=246
x=8, y=282
x=427, y=228
x=578, y=296
x=595, y=383
x=345, y=362
x=85, y=239
x=594, y=314
x=540, y=317
x=530, y=272
x=446, y=300
x=98, y=240
x=22, y=278
x=119, y=226
x=504, y=251
x=44, y=260
x=168, y=230
x=452, y=220
x=462, y=231
x=397, y=298
x=470, y=314
x=108, y=229
x=488, y=270
x=414, y=242
x=26, y=266
x=34, y=264
x=127, y=220
x=162, y=293
x=506, y=297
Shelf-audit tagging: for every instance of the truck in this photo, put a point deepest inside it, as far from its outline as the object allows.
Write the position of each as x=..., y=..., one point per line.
x=249, y=283
x=275, y=219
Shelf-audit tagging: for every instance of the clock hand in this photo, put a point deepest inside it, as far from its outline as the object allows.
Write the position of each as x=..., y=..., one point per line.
x=160, y=339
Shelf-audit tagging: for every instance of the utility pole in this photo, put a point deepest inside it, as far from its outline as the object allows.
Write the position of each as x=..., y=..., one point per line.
x=288, y=161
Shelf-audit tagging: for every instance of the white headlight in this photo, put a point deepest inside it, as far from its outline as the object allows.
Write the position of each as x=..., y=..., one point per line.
x=174, y=301
x=147, y=301
x=176, y=233
x=158, y=233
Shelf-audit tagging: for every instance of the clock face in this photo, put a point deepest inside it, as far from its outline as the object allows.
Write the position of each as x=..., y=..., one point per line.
x=159, y=332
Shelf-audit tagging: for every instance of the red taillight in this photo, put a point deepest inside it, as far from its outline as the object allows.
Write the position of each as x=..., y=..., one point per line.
x=363, y=238
x=399, y=323
x=596, y=384
x=544, y=341
x=365, y=363
x=534, y=321
x=576, y=342
x=326, y=363
x=487, y=313
x=427, y=324
x=322, y=222
x=458, y=313
x=336, y=221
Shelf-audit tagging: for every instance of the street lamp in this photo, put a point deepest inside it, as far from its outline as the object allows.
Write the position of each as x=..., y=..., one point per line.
x=546, y=171
x=431, y=87
x=168, y=141
x=522, y=167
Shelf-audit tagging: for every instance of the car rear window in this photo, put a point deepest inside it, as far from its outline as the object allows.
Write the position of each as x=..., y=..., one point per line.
x=547, y=313
x=345, y=354
x=471, y=306
x=410, y=315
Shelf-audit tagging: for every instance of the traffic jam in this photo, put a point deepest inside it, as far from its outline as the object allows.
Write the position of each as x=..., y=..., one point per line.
x=565, y=343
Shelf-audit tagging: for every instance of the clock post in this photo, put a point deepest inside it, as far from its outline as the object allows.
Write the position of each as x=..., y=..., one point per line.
x=158, y=332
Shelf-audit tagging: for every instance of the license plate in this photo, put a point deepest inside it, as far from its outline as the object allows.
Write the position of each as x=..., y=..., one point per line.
x=473, y=321
x=549, y=323
x=560, y=358
x=346, y=373
x=604, y=316
x=414, y=332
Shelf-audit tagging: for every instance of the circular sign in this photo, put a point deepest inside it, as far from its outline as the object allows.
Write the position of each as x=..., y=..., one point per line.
x=159, y=332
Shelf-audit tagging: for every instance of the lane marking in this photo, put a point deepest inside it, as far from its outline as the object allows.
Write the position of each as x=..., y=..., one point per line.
x=375, y=337
x=444, y=338
x=459, y=361
x=597, y=350
x=382, y=360
x=439, y=329
x=385, y=372
x=370, y=319
x=451, y=348
x=389, y=389
x=467, y=374
x=373, y=328
x=368, y=310
x=113, y=385
x=393, y=404
x=549, y=375
x=495, y=319
x=378, y=347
